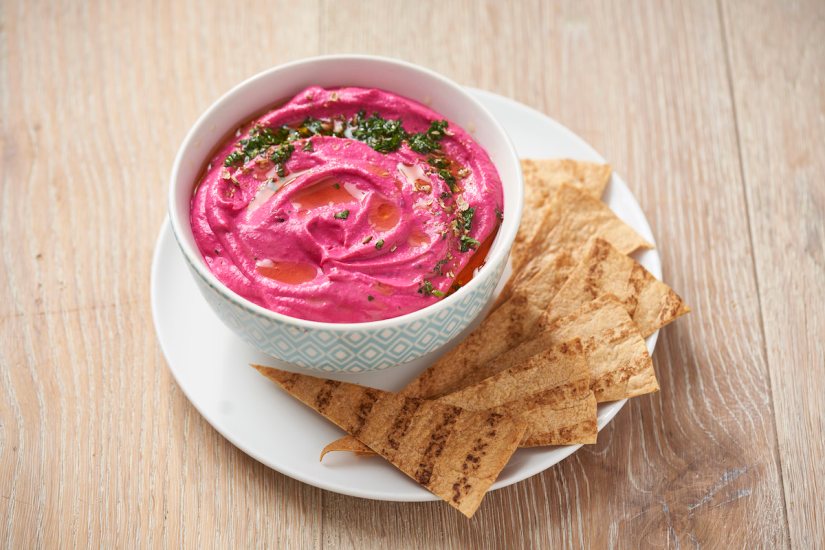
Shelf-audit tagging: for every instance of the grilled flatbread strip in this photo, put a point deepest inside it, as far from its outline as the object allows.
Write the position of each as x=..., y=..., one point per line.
x=542, y=178
x=580, y=218
x=575, y=218
x=455, y=453
x=616, y=355
x=550, y=390
x=605, y=270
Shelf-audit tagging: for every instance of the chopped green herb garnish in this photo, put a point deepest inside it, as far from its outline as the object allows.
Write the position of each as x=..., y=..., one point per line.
x=438, y=265
x=282, y=153
x=448, y=178
x=466, y=243
x=342, y=215
x=312, y=126
x=467, y=218
x=233, y=158
x=439, y=162
x=383, y=135
x=336, y=185
x=428, y=141
x=370, y=297
x=260, y=139
x=426, y=288
x=379, y=243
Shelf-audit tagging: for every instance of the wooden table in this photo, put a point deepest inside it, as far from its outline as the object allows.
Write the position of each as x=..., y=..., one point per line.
x=713, y=111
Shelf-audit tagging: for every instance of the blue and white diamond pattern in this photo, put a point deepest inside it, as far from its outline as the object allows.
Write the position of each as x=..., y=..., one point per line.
x=358, y=351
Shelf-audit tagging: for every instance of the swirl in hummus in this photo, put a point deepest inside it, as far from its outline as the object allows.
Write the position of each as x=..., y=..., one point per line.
x=346, y=205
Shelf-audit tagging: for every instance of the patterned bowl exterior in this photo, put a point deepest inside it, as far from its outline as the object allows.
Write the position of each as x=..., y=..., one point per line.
x=353, y=350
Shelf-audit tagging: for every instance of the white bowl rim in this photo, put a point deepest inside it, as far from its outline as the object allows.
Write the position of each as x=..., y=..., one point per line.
x=505, y=237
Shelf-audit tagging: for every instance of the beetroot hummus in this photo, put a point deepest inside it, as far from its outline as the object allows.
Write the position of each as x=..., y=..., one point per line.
x=346, y=205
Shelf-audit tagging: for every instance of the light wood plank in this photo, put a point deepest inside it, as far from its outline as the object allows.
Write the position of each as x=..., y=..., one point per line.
x=696, y=463
x=777, y=63
x=98, y=446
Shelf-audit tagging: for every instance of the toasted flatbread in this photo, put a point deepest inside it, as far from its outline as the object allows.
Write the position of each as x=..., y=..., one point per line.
x=549, y=390
x=575, y=217
x=454, y=453
x=542, y=177
x=604, y=270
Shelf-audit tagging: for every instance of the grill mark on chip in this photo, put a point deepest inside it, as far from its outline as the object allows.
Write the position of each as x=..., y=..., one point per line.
x=435, y=446
x=363, y=409
x=402, y=422
x=437, y=440
x=288, y=382
x=604, y=269
x=325, y=394
x=472, y=461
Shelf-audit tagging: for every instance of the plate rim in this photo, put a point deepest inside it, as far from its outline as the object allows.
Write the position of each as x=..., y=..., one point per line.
x=422, y=495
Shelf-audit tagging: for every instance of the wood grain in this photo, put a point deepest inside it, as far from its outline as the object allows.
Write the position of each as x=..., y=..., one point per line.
x=712, y=111
x=99, y=448
x=778, y=82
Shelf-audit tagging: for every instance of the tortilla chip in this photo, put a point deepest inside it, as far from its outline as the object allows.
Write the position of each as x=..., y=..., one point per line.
x=347, y=443
x=616, y=355
x=549, y=424
x=604, y=270
x=575, y=217
x=550, y=391
x=455, y=453
x=561, y=367
x=620, y=365
x=542, y=177
x=615, y=351
x=504, y=328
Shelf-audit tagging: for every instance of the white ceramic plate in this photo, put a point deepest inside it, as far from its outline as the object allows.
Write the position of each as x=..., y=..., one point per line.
x=211, y=364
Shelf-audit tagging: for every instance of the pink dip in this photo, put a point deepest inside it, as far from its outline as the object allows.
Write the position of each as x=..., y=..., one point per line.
x=286, y=243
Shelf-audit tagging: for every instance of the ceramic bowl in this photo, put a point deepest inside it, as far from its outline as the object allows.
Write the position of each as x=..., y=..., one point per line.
x=348, y=347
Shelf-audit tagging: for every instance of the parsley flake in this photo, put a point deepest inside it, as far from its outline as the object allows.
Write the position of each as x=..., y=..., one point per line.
x=466, y=243
x=383, y=135
x=259, y=141
x=426, y=288
x=467, y=218
x=427, y=142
